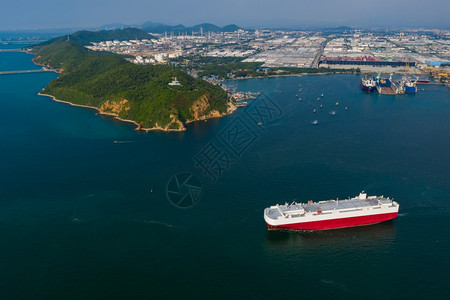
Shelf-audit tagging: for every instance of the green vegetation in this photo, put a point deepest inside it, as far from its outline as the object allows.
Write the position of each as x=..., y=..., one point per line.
x=85, y=38
x=238, y=69
x=135, y=92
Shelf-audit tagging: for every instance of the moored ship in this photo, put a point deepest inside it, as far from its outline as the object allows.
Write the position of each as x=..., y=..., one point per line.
x=410, y=86
x=423, y=80
x=368, y=84
x=331, y=214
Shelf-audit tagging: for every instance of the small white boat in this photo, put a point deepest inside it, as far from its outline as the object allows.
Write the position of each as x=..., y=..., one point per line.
x=314, y=111
x=318, y=99
x=300, y=99
x=321, y=106
x=321, y=95
x=337, y=103
x=333, y=112
x=346, y=108
x=315, y=122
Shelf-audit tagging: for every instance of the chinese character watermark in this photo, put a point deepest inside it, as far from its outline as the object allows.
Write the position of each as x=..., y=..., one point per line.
x=184, y=190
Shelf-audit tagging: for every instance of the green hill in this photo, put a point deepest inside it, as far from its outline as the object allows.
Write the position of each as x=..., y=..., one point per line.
x=85, y=37
x=230, y=28
x=206, y=27
x=133, y=92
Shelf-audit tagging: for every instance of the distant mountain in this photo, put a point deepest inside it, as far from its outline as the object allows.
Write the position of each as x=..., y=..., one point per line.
x=85, y=37
x=152, y=25
x=206, y=27
x=230, y=28
x=162, y=28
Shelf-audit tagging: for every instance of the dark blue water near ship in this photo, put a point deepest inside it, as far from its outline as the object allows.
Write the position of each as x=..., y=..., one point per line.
x=77, y=219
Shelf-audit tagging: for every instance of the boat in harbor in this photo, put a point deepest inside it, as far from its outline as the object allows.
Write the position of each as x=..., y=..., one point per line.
x=333, y=112
x=331, y=214
x=424, y=80
x=368, y=84
x=241, y=104
x=410, y=85
x=315, y=122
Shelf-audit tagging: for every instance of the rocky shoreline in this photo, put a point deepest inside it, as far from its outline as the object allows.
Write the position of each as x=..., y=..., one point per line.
x=213, y=114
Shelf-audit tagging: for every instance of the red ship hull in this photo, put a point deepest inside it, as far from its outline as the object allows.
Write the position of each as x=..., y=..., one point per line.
x=337, y=223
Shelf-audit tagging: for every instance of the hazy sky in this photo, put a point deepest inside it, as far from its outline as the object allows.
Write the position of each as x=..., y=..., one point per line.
x=33, y=14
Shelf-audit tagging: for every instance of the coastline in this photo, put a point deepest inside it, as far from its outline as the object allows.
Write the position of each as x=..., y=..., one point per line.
x=137, y=128
x=344, y=71
x=109, y=114
x=284, y=75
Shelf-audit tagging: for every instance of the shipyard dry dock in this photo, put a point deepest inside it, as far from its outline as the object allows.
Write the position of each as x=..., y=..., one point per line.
x=386, y=91
x=388, y=87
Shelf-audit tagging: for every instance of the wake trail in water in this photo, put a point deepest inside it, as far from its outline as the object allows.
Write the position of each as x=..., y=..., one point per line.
x=159, y=223
x=124, y=142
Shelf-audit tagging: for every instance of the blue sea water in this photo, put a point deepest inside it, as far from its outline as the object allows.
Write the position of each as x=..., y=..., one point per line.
x=84, y=211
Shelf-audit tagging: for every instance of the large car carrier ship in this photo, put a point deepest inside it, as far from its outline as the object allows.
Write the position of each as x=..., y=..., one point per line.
x=331, y=214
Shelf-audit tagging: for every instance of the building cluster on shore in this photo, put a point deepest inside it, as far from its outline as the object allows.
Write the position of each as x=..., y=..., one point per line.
x=399, y=52
x=410, y=52
x=280, y=48
x=288, y=49
x=169, y=46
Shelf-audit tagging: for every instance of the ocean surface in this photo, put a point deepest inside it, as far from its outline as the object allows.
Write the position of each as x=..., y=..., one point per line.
x=88, y=208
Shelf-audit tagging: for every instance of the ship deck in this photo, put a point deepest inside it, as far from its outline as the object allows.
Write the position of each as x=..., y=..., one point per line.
x=340, y=204
x=346, y=204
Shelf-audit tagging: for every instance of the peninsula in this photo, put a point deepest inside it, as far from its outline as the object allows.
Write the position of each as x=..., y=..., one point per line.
x=151, y=96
